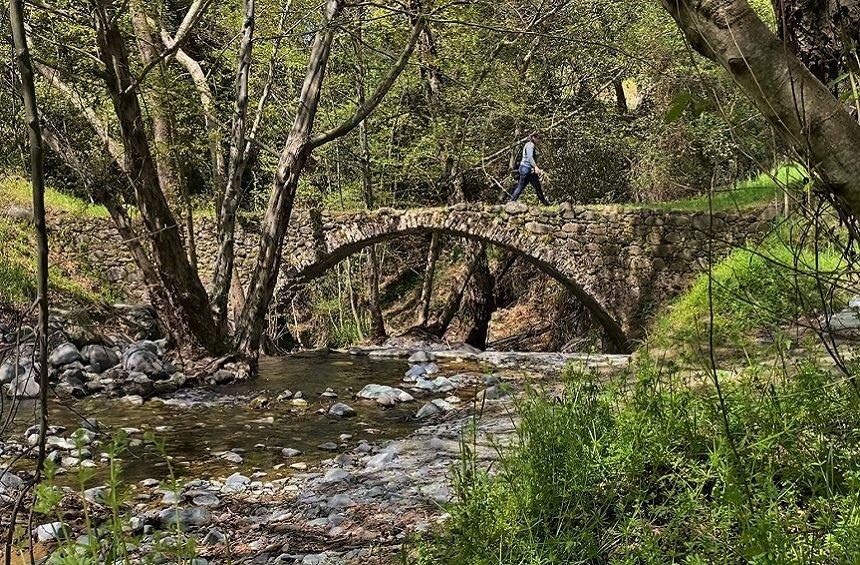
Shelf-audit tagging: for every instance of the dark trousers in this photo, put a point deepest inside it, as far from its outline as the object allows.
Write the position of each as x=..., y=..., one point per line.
x=528, y=176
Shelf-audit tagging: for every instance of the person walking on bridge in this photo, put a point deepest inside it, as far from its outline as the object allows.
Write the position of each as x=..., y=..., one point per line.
x=529, y=170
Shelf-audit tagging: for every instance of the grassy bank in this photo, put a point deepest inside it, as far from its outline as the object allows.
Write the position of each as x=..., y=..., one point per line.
x=645, y=472
x=71, y=281
x=758, y=297
x=751, y=193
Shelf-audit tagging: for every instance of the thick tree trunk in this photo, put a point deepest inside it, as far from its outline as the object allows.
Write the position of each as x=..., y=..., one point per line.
x=188, y=298
x=797, y=104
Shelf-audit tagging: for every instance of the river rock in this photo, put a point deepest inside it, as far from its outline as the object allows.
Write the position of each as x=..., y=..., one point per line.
x=232, y=457
x=380, y=460
x=11, y=370
x=23, y=386
x=341, y=410
x=374, y=392
x=290, y=452
x=73, y=381
x=222, y=376
x=10, y=484
x=336, y=475
x=415, y=372
x=95, y=495
x=236, y=482
x=205, y=499
x=64, y=354
x=185, y=517
x=84, y=436
x=328, y=446
x=133, y=399
x=100, y=357
x=213, y=537
x=492, y=393
x=420, y=357
x=428, y=410
x=143, y=361
x=51, y=531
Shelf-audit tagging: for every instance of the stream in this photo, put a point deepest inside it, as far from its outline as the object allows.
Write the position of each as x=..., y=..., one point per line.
x=199, y=424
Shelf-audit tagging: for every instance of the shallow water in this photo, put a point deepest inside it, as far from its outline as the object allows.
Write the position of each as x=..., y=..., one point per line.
x=197, y=423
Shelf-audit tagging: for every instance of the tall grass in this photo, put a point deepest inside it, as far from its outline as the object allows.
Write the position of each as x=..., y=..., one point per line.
x=644, y=472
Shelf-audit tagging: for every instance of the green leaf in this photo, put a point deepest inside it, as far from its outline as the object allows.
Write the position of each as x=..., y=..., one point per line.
x=677, y=107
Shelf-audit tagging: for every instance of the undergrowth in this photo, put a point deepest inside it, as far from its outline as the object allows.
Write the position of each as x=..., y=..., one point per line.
x=643, y=471
x=761, y=291
x=109, y=534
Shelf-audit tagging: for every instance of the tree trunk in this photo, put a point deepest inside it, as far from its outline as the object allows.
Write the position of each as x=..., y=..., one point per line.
x=429, y=274
x=188, y=298
x=377, y=321
x=818, y=32
x=162, y=132
x=293, y=158
x=229, y=200
x=797, y=104
x=300, y=143
x=481, y=304
x=37, y=176
x=455, y=300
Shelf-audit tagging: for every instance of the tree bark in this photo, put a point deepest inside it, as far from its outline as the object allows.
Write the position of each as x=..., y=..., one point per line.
x=296, y=151
x=819, y=32
x=37, y=176
x=187, y=296
x=162, y=132
x=429, y=274
x=235, y=173
x=801, y=109
x=377, y=321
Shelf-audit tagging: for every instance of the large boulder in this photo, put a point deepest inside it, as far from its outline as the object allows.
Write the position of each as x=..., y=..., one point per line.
x=64, y=354
x=142, y=360
x=100, y=357
x=23, y=386
x=10, y=370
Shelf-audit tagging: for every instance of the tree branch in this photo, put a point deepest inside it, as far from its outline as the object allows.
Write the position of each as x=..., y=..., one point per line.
x=378, y=95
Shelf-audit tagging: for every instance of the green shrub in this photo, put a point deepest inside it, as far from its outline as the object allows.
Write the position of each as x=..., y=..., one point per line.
x=645, y=473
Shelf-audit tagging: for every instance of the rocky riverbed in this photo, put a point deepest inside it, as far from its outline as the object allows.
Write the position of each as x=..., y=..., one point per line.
x=358, y=496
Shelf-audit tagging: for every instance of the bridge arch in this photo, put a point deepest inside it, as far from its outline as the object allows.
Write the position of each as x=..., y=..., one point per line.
x=619, y=262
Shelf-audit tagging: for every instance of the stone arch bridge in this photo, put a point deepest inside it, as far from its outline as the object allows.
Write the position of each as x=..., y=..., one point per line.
x=621, y=262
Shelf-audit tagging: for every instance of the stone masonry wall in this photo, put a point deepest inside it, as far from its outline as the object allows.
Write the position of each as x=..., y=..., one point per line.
x=621, y=261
